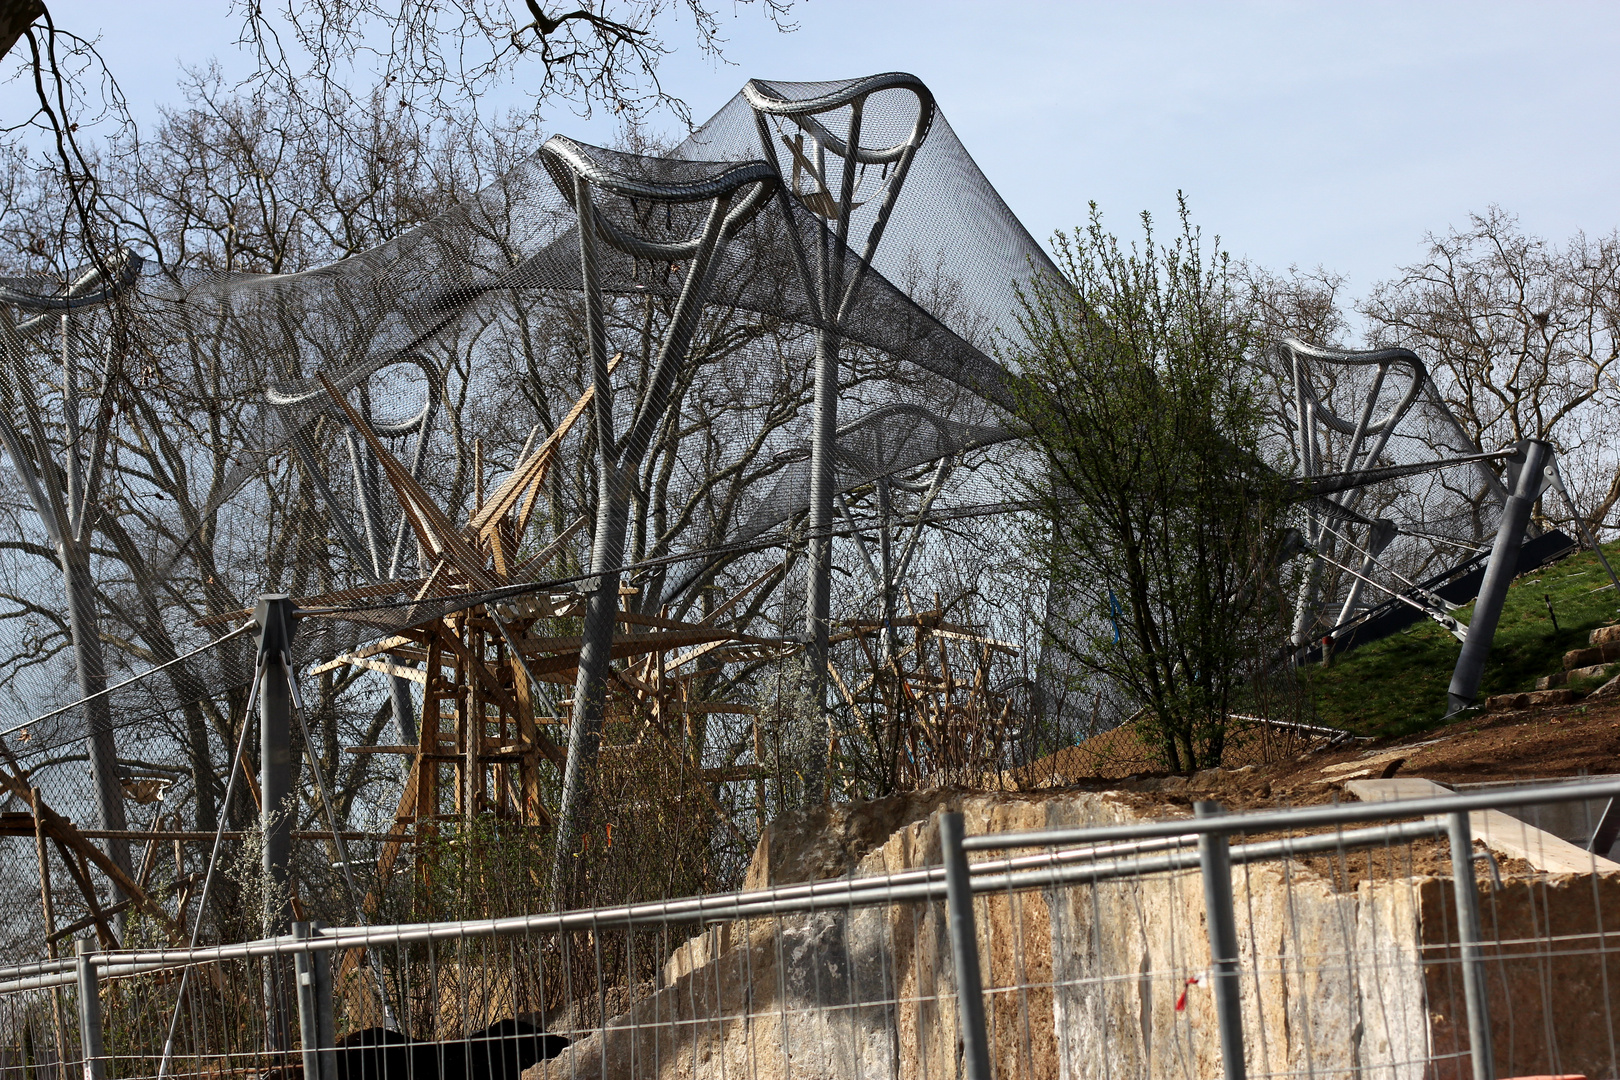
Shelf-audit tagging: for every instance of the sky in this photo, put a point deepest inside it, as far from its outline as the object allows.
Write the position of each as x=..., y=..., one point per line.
x=1309, y=134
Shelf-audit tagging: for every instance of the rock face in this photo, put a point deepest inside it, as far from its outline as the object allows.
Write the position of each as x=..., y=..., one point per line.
x=1346, y=969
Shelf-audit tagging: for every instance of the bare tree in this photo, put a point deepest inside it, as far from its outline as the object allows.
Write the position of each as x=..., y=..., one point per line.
x=1521, y=338
x=439, y=56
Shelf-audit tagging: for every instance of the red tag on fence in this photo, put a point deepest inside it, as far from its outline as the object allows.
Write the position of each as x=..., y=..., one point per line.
x=1196, y=980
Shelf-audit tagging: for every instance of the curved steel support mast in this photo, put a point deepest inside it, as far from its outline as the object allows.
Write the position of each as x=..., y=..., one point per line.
x=66, y=500
x=829, y=281
x=732, y=198
x=1368, y=436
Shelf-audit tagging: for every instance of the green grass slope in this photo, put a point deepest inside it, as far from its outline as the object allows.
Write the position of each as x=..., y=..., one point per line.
x=1398, y=685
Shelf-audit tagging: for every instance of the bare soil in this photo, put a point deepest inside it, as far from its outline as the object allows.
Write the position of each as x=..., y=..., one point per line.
x=1546, y=743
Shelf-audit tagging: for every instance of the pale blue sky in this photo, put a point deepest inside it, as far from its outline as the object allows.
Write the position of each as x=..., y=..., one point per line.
x=1326, y=133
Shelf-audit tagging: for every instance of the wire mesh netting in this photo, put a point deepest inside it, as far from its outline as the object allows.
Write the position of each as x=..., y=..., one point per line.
x=185, y=441
x=550, y=477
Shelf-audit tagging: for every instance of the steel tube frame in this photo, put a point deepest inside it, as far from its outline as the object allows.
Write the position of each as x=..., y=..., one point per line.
x=922, y=885
x=731, y=205
x=1061, y=868
x=276, y=623
x=831, y=291
x=1481, y=1053
x=64, y=501
x=274, y=617
x=63, y=524
x=317, y=1033
x=91, y=1049
x=1301, y=818
x=1499, y=572
x=1215, y=863
x=964, y=949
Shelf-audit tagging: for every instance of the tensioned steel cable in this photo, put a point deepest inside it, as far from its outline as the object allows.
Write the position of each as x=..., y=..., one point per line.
x=1411, y=585
x=237, y=759
x=240, y=630
x=1442, y=618
x=329, y=812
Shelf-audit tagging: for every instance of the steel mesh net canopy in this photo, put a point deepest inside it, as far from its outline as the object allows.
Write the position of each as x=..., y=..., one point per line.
x=597, y=333
x=1361, y=413
x=182, y=442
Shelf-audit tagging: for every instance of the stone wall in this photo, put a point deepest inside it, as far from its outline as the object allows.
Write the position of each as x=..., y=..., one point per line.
x=1345, y=971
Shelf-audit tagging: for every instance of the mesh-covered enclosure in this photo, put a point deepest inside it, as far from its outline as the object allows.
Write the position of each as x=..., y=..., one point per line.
x=1359, y=413
x=198, y=440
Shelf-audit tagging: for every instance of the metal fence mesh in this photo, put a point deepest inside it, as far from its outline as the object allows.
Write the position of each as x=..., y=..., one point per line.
x=1314, y=942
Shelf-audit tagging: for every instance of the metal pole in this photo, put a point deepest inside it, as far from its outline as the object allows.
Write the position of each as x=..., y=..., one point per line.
x=965, y=950
x=48, y=908
x=1215, y=860
x=1607, y=831
x=309, y=1036
x=1468, y=935
x=1378, y=538
x=1504, y=563
x=274, y=615
x=90, y=1045
x=325, y=1017
x=818, y=564
x=91, y=670
x=316, y=1031
x=619, y=460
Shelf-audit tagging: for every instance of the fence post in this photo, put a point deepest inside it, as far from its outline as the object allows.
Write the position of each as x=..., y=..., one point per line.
x=965, y=949
x=90, y=1045
x=326, y=1021
x=1468, y=935
x=315, y=1027
x=1215, y=861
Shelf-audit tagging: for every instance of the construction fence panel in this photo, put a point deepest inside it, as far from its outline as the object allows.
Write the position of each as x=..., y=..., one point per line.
x=1327, y=941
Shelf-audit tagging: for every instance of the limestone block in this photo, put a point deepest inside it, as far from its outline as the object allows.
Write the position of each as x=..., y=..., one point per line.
x=1604, y=635
x=1341, y=976
x=1597, y=655
x=1530, y=700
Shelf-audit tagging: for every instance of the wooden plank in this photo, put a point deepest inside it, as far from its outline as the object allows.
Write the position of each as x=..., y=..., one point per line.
x=541, y=557
x=415, y=675
x=387, y=644
x=533, y=469
x=632, y=618
x=735, y=598
x=79, y=872
x=432, y=526
x=734, y=651
x=639, y=644
x=838, y=681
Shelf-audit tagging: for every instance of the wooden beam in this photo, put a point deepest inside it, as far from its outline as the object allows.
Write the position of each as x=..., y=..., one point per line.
x=415, y=675
x=736, y=597
x=63, y=831
x=432, y=526
x=531, y=471
x=104, y=930
x=541, y=557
